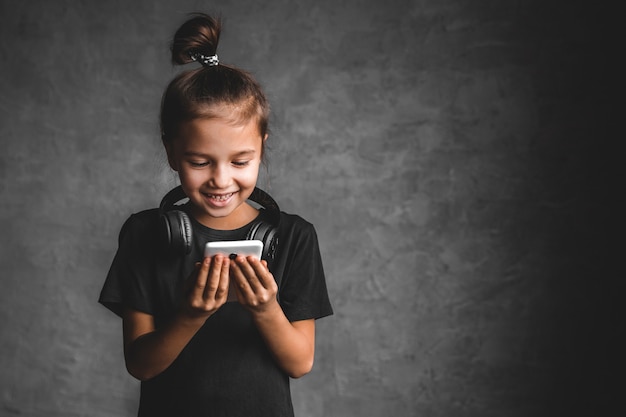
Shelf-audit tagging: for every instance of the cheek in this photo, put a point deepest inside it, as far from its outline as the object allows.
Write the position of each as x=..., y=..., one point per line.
x=248, y=177
x=190, y=177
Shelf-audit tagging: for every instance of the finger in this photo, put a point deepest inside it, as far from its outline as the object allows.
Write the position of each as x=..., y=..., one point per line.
x=222, y=290
x=201, y=275
x=259, y=286
x=214, y=275
x=249, y=272
x=262, y=273
x=241, y=283
x=191, y=279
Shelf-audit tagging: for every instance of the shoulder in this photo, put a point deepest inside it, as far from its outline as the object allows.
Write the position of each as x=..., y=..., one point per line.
x=294, y=224
x=143, y=219
x=296, y=233
x=142, y=225
x=293, y=219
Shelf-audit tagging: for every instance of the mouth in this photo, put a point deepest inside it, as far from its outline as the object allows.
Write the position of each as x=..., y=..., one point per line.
x=218, y=198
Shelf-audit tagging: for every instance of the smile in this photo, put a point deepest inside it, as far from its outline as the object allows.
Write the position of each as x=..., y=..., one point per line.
x=219, y=197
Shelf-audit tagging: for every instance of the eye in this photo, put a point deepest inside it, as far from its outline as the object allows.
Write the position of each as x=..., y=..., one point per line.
x=240, y=163
x=198, y=164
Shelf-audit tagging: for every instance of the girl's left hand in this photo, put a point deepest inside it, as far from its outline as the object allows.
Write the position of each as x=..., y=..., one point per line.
x=255, y=286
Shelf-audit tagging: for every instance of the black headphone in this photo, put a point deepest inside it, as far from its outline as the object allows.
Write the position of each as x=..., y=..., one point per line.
x=178, y=232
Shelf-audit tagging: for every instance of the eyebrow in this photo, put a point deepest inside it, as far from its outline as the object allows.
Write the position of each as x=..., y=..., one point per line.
x=245, y=152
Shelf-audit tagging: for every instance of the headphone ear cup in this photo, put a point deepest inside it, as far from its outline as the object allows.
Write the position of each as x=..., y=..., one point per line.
x=266, y=233
x=270, y=244
x=178, y=231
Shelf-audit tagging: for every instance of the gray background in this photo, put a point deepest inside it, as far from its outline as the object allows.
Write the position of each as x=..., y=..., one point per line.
x=455, y=157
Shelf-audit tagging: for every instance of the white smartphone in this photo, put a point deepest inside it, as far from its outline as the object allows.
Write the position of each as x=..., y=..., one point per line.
x=234, y=247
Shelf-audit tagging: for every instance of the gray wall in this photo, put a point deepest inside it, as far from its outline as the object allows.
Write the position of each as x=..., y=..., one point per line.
x=454, y=157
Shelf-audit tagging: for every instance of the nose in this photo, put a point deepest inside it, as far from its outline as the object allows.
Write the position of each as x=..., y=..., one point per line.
x=220, y=177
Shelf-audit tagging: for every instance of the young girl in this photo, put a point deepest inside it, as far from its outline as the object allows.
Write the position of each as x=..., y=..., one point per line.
x=217, y=336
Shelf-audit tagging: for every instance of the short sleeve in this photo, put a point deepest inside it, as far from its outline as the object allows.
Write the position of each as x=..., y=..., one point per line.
x=303, y=292
x=127, y=283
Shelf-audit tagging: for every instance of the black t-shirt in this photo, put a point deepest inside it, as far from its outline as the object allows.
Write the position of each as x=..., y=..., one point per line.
x=226, y=369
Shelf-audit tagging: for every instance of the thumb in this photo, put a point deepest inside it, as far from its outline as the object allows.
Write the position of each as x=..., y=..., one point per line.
x=192, y=277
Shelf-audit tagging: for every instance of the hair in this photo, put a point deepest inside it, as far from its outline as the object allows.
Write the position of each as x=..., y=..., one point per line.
x=219, y=91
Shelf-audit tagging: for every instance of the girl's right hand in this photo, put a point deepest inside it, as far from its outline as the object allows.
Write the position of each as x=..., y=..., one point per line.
x=149, y=351
x=207, y=288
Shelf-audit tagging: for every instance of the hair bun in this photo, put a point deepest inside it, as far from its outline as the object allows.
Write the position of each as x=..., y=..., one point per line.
x=200, y=34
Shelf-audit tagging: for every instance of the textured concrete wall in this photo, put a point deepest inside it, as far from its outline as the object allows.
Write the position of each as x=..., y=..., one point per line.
x=453, y=155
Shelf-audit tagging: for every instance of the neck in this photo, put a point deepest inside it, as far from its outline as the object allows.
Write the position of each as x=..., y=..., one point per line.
x=240, y=217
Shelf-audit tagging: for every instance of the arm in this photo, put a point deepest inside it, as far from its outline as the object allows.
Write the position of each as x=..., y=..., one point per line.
x=149, y=351
x=291, y=343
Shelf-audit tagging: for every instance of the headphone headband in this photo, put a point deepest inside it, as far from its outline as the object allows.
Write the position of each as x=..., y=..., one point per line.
x=176, y=195
x=267, y=202
x=178, y=230
x=172, y=197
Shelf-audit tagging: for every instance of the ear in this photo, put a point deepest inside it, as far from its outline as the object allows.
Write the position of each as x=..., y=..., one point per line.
x=263, y=150
x=171, y=160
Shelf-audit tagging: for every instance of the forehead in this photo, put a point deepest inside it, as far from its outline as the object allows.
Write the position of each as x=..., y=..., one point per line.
x=216, y=135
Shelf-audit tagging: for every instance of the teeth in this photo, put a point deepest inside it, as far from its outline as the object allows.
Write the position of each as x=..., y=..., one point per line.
x=220, y=197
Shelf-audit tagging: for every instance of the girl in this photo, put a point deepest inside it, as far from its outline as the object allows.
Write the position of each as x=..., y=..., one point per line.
x=215, y=336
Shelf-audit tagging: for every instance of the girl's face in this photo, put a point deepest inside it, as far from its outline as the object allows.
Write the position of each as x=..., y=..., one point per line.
x=218, y=165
